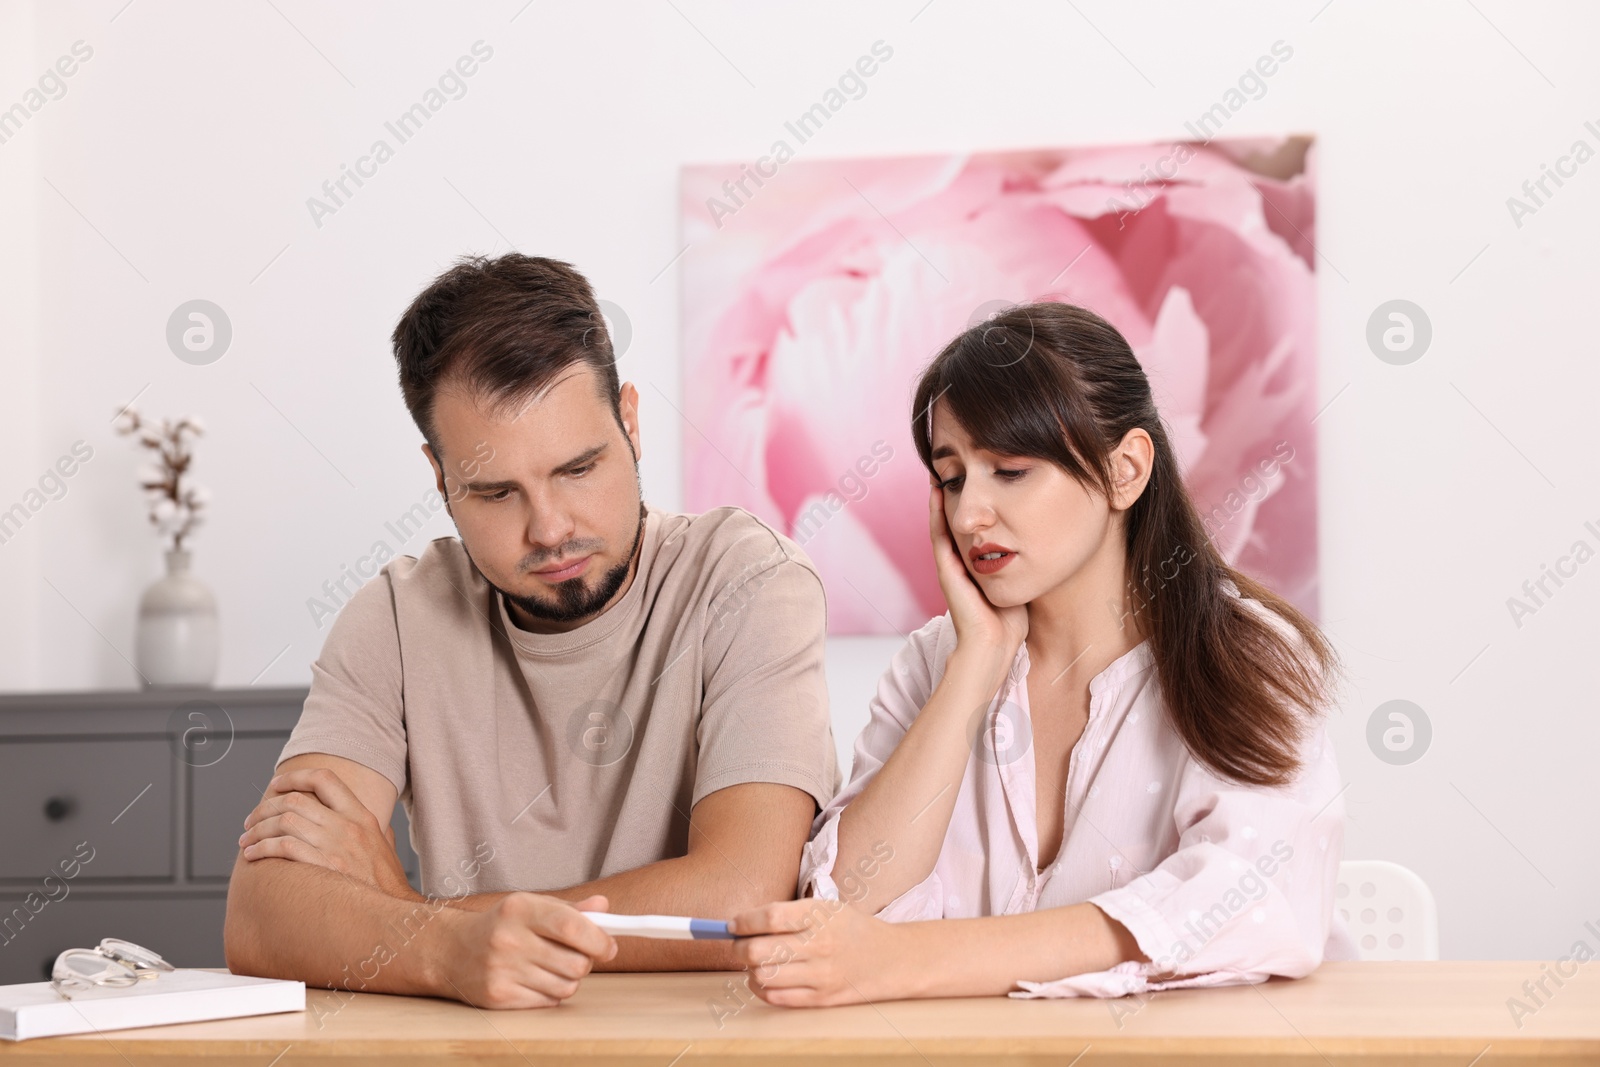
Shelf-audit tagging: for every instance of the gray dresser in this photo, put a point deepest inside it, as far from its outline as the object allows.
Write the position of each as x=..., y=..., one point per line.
x=120, y=815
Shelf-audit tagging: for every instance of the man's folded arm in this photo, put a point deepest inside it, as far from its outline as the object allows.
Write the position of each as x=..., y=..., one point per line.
x=300, y=920
x=319, y=924
x=744, y=849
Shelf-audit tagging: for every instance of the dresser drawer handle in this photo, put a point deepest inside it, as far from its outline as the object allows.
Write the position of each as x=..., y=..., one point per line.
x=58, y=808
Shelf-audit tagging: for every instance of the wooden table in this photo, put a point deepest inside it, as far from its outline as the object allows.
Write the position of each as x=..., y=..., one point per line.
x=1346, y=1013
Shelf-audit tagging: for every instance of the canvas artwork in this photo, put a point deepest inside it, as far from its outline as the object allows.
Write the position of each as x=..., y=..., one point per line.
x=814, y=291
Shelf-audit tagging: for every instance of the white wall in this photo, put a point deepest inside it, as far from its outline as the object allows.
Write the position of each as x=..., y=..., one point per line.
x=20, y=426
x=179, y=162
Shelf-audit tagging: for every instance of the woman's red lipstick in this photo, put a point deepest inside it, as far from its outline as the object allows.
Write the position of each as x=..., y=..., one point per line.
x=989, y=558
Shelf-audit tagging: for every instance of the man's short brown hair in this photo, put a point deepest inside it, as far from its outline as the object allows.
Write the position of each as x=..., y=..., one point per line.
x=502, y=328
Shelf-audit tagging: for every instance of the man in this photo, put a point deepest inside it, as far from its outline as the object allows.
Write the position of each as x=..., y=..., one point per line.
x=614, y=707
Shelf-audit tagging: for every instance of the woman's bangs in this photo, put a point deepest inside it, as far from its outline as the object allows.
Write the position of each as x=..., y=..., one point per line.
x=1009, y=407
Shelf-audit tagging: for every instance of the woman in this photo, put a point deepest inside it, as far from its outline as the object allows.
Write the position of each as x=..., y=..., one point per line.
x=1104, y=769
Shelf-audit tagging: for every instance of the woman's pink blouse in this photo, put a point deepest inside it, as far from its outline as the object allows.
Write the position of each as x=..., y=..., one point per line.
x=1218, y=882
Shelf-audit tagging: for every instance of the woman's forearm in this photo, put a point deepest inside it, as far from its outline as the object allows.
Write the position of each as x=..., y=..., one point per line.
x=987, y=957
x=907, y=804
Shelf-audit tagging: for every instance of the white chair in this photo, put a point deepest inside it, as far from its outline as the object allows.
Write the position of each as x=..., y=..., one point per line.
x=1389, y=910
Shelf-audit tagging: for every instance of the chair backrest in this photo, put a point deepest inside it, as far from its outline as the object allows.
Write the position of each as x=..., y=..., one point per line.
x=1389, y=909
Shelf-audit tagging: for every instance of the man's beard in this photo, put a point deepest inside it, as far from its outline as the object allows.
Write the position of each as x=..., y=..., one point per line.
x=574, y=600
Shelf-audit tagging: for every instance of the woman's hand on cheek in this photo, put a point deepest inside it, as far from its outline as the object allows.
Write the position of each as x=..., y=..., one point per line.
x=816, y=953
x=980, y=626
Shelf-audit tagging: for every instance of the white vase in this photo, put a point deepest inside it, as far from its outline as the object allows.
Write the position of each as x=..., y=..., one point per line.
x=178, y=640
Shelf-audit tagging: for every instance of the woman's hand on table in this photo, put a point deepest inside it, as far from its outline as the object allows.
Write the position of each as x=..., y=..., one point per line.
x=815, y=953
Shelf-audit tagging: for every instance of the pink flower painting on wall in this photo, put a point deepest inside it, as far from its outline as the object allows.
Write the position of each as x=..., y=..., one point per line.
x=815, y=291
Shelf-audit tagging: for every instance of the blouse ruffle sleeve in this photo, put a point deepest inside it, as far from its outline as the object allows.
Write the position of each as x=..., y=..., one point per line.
x=1247, y=894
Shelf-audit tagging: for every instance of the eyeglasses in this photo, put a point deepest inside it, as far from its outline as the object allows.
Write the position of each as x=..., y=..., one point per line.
x=111, y=963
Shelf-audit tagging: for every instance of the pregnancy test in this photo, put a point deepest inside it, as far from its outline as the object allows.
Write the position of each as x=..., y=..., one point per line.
x=671, y=927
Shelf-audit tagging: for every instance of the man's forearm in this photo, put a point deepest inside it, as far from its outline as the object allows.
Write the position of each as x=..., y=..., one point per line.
x=300, y=921
x=744, y=851
x=685, y=885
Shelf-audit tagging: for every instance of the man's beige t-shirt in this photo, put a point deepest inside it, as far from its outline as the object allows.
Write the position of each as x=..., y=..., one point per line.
x=569, y=757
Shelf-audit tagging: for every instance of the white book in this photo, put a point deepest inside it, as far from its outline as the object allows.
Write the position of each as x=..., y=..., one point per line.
x=34, y=1009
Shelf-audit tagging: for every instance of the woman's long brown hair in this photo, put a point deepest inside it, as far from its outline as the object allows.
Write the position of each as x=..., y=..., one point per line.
x=1057, y=382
